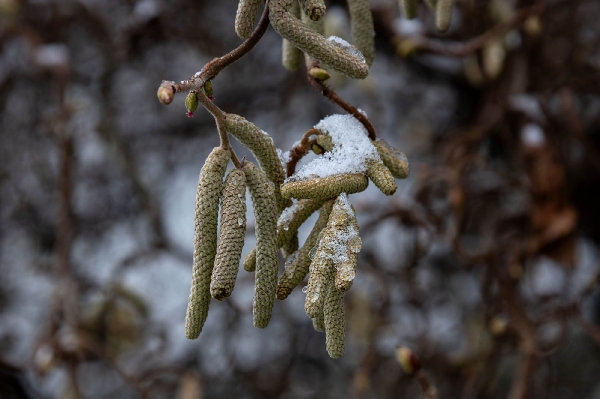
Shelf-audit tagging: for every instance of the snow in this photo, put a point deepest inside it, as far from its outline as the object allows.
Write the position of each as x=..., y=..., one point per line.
x=286, y=216
x=352, y=149
x=347, y=47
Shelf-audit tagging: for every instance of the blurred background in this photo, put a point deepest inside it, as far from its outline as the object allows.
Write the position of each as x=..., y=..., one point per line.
x=485, y=262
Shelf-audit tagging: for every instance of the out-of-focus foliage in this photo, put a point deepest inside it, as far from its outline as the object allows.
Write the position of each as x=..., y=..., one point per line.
x=485, y=263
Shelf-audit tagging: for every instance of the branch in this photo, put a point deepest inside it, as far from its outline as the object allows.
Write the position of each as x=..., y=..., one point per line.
x=300, y=150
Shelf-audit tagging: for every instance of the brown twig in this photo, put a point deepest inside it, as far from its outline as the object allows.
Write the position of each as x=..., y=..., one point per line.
x=429, y=389
x=300, y=150
x=349, y=108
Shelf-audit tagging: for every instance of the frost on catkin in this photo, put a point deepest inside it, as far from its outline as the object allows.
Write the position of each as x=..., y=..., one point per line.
x=335, y=322
x=410, y=8
x=312, y=43
x=262, y=147
x=314, y=9
x=291, y=56
x=363, y=31
x=231, y=236
x=345, y=270
x=381, y=176
x=205, y=238
x=245, y=17
x=296, y=267
x=325, y=187
x=265, y=214
x=394, y=159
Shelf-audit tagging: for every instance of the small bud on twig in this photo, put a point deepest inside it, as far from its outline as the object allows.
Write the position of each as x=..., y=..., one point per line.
x=165, y=93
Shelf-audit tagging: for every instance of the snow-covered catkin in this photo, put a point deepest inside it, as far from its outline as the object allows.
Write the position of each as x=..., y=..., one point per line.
x=381, y=176
x=291, y=56
x=335, y=322
x=288, y=224
x=265, y=214
x=245, y=17
x=325, y=187
x=443, y=14
x=312, y=43
x=205, y=238
x=410, y=8
x=345, y=271
x=394, y=159
x=314, y=9
x=363, y=32
x=262, y=147
x=231, y=236
x=297, y=267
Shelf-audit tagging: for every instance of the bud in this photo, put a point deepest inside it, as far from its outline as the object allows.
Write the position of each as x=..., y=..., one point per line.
x=319, y=74
x=325, y=141
x=191, y=103
x=407, y=359
x=317, y=149
x=165, y=93
x=325, y=187
x=208, y=90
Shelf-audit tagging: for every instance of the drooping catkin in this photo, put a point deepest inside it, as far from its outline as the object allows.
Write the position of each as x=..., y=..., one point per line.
x=325, y=187
x=291, y=57
x=345, y=271
x=312, y=43
x=290, y=246
x=314, y=9
x=245, y=17
x=381, y=176
x=363, y=31
x=205, y=238
x=322, y=268
x=317, y=26
x=250, y=261
x=265, y=214
x=394, y=159
x=262, y=147
x=443, y=14
x=293, y=217
x=231, y=236
x=297, y=267
x=431, y=4
x=410, y=8
x=319, y=322
x=335, y=322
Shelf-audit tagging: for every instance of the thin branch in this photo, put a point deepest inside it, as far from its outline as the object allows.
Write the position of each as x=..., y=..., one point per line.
x=300, y=150
x=333, y=97
x=428, y=387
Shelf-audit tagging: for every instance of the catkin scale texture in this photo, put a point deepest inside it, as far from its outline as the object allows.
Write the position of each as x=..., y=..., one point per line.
x=246, y=15
x=265, y=214
x=291, y=57
x=395, y=160
x=314, y=9
x=312, y=43
x=443, y=14
x=262, y=147
x=205, y=239
x=231, y=236
x=287, y=228
x=335, y=322
x=297, y=269
x=362, y=27
x=249, y=263
x=381, y=176
x=325, y=187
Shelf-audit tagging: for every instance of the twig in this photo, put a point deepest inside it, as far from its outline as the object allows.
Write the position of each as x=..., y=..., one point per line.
x=429, y=389
x=300, y=150
x=333, y=97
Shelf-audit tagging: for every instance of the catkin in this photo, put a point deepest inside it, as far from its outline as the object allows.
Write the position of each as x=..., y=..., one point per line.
x=381, y=176
x=312, y=43
x=443, y=14
x=325, y=187
x=335, y=322
x=410, y=8
x=314, y=9
x=205, y=238
x=431, y=4
x=250, y=261
x=317, y=26
x=291, y=56
x=245, y=17
x=345, y=271
x=395, y=160
x=363, y=31
x=290, y=246
x=288, y=225
x=297, y=267
x=265, y=214
x=319, y=322
x=231, y=236
x=262, y=147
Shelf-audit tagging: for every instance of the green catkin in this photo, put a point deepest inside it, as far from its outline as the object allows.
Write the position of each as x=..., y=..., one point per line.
x=250, y=261
x=205, y=238
x=362, y=28
x=314, y=9
x=265, y=214
x=443, y=14
x=290, y=246
x=325, y=187
x=322, y=268
x=410, y=8
x=288, y=225
x=431, y=4
x=381, y=176
x=317, y=26
x=262, y=147
x=312, y=43
x=297, y=268
x=231, y=236
x=246, y=15
x=395, y=160
x=345, y=271
x=291, y=56
x=335, y=322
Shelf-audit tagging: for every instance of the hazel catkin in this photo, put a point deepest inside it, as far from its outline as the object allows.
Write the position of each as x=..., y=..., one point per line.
x=325, y=187
x=394, y=159
x=381, y=176
x=246, y=15
x=363, y=32
x=335, y=322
